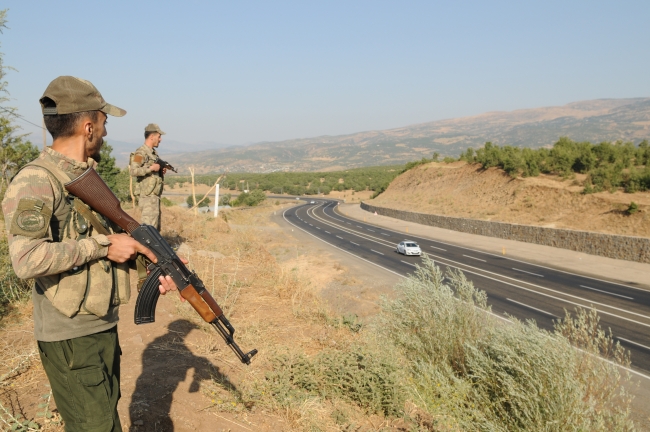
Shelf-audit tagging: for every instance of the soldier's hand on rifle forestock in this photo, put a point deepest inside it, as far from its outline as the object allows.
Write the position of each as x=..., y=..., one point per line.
x=155, y=167
x=124, y=248
x=164, y=171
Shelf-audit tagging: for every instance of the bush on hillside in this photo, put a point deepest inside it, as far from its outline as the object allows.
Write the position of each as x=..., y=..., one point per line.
x=488, y=375
x=608, y=165
x=204, y=203
x=251, y=199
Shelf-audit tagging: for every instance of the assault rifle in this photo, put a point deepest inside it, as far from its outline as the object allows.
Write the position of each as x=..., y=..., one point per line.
x=91, y=189
x=164, y=164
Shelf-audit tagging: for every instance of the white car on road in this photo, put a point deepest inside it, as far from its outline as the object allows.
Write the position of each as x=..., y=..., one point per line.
x=409, y=247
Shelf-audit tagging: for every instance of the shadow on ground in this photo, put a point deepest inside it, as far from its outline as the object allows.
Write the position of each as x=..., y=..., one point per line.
x=165, y=364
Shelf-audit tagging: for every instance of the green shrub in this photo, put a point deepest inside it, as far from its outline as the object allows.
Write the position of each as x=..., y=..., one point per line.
x=371, y=379
x=190, y=201
x=251, y=199
x=487, y=375
x=166, y=202
x=633, y=208
x=225, y=199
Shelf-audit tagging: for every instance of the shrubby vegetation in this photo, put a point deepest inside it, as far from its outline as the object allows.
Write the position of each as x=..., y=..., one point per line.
x=301, y=183
x=15, y=152
x=250, y=199
x=204, y=203
x=438, y=351
x=608, y=165
x=117, y=179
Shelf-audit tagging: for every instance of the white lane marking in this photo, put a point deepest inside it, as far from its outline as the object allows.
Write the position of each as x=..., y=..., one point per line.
x=607, y=292
x=340, y=237
x=442, y=259
x=589, y=302
x=359, y=227
x=356, y=244
x=388, y=235
x=524, y=271
x=376, y=252
x=439, y=248
x=349, y=223
x=406, y=262
x=370, y=229
x=328, y=232
x=533, y=308
x=536, y=265
x=317, y=228
x=491, y=313
x=633, y=343
x=310, y=225
x=358, y=257
x=477, y=259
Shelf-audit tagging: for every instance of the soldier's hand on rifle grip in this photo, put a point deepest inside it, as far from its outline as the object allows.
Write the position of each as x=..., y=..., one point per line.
x=167, y=284
x=124, y=248
x=164, y=171
x=155, y=167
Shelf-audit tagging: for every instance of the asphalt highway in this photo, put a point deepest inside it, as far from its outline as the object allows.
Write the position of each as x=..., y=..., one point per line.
x=514, y=287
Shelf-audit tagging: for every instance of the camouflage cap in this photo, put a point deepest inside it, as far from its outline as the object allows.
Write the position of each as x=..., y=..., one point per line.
x=71, y=95
x=153, y=127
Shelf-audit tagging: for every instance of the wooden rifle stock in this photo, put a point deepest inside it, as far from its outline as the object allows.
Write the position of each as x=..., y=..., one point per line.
x=91, y=189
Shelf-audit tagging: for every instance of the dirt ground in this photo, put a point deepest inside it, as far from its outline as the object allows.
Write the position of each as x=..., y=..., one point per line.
x=463, y=190
x=279, y=291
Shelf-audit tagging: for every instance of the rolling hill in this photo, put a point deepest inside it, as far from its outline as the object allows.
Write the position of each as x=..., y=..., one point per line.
x=594, y=120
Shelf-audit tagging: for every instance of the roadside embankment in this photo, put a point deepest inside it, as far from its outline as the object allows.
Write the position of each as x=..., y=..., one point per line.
x=612, y=246
x=628, y=272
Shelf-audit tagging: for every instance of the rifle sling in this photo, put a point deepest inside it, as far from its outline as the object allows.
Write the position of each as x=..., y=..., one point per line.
x=84, y=211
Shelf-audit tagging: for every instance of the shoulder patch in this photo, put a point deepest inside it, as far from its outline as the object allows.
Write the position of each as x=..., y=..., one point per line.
x=137, y=158
x=31, y=219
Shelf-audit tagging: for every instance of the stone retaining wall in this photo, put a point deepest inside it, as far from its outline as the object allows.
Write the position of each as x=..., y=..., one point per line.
x=607, y=245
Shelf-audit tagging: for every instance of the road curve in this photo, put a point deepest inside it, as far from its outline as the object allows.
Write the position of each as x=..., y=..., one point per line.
x=514, y=287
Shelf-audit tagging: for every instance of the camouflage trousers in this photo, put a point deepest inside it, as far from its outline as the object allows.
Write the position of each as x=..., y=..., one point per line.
x=150, y=207
x=84, y=375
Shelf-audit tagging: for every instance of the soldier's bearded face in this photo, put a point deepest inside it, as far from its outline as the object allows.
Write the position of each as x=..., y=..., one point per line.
x=94, y=145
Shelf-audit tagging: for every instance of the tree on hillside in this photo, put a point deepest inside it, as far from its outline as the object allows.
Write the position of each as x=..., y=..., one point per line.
x=3, y=84
x=106, y=167
x=204, y=203
x=15, y=151
x=115, y=178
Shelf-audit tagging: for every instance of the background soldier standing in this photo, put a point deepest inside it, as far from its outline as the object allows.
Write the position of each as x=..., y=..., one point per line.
x=149, y=175
x=81, y=276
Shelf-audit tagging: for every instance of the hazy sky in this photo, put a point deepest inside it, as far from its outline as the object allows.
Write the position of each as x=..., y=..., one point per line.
x=239, y=72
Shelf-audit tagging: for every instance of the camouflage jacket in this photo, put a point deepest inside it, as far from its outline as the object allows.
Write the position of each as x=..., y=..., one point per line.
x=147, y=182
x=39, y=250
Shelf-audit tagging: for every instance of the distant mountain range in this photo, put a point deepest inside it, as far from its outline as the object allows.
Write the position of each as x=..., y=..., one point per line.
x=122, y=149
x=594, y=120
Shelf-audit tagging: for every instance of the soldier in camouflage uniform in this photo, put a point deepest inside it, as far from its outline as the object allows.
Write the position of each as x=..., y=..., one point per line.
x=149, y=176
x=81, y=276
